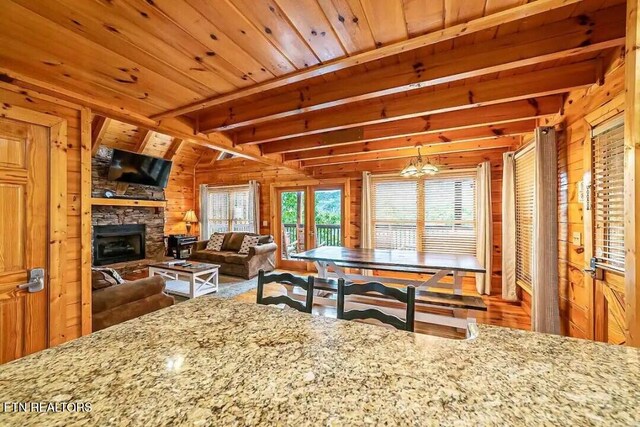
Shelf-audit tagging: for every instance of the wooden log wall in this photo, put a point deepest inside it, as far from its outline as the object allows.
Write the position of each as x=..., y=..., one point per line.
x=240, y=171
x=180, y=190
x=580, y=312
x=71, y=290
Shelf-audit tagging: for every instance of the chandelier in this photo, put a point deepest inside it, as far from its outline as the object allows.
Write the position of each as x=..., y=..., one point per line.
x=416, y=167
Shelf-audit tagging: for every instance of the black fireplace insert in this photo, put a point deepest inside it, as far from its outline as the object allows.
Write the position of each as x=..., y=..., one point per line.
x=118, y=243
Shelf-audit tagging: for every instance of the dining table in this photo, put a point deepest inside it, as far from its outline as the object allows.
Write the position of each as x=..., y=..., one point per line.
x=427, y=271
x=211, y=361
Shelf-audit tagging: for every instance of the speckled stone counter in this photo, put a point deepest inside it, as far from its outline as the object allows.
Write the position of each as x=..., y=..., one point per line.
x=221, y=362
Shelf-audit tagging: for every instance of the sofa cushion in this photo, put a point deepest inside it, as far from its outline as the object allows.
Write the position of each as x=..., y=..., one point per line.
x=235, y=258
x=248, y=242
x=212, y=256
x=233, y=241
x=264, y=239
x=101, y=280
x=103, y=277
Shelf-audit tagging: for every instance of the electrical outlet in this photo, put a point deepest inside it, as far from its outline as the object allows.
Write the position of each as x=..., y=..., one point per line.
x=577, y=238
x=265, y=223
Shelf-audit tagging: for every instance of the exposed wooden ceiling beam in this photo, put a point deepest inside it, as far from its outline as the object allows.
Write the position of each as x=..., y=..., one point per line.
x=429, y=140
x=142, y=139
x=99, y=126
x=176, y=143
x=447, y=161
x=559, y=40
x=431, y=150
x=427, y=101
x=476, y=25
x=489, y=116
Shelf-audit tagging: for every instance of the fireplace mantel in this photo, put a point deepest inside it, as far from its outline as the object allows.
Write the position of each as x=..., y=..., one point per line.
x=103, y=201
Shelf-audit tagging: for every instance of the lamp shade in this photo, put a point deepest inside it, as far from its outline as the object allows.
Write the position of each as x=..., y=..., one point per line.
x=190, y=216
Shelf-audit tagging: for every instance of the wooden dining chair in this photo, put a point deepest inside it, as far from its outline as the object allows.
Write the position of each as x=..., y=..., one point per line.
x=408, y=297
x=286, y=279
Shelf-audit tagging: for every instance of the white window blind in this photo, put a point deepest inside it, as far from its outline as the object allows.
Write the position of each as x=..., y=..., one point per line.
x=395, y=213
x=429, y=214
x=450, y=214
x=525, y=205
x=608, y=193
x=230, y=209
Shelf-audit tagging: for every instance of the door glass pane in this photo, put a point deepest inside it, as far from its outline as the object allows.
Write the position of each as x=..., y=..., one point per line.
x=292, y=205
x=328, y=214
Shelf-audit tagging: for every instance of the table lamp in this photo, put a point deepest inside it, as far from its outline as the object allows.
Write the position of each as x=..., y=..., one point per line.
x=190, y=217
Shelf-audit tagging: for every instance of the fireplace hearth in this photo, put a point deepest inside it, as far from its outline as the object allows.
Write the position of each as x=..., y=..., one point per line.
x=118, y=243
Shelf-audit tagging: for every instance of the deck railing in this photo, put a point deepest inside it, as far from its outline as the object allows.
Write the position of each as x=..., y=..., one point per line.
x=326, y=234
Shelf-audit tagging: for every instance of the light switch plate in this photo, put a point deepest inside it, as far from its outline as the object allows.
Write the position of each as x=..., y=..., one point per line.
x=265, y=223
x=577, y=238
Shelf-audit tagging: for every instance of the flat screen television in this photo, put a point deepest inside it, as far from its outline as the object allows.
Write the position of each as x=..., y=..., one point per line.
x=133, y=168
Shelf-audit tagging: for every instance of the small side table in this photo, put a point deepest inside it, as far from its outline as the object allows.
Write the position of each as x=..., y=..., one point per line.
x=190, y=282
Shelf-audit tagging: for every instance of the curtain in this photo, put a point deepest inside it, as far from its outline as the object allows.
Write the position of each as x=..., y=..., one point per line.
x=254, y=204
x=366, y=226
x=366, y=229
x=484, y=235
x=508, y=228
x=545, y=311
x=204, y=216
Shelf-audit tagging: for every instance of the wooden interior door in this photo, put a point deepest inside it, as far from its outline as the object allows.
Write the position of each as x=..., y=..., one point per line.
x=23, y=237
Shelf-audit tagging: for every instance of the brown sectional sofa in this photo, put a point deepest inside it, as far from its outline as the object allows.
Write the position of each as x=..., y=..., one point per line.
x=261, y=257
x=113, y=304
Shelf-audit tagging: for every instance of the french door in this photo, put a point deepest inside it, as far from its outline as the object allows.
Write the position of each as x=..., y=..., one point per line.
x=307, y=217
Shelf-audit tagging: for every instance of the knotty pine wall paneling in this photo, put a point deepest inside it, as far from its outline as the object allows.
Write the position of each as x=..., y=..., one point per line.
x=578, y=307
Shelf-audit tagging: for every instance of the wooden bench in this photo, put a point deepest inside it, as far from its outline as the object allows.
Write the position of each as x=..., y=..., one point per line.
x=463, y=302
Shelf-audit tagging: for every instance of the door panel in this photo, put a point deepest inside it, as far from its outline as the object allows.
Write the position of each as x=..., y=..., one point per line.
x=327, y=217
x=23, y=237
x=293, y=222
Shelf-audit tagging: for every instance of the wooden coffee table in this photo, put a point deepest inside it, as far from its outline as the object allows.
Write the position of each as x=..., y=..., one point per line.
x=191, y=282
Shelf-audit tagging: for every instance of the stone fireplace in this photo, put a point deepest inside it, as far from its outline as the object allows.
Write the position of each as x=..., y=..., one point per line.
x=130, y=237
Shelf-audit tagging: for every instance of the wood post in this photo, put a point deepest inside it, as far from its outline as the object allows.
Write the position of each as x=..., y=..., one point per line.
x=632, y=175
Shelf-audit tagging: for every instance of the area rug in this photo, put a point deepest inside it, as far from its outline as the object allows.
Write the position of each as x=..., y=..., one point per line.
x=228, y=287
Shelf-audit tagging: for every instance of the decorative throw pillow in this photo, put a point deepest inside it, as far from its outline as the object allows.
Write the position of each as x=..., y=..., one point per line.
x=215, y=242
x=248, y=242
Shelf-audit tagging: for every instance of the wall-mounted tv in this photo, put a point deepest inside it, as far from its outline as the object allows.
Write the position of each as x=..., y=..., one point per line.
x=133, y=168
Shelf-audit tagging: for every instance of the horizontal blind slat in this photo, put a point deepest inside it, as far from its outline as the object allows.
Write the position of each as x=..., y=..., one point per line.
x=608, y=189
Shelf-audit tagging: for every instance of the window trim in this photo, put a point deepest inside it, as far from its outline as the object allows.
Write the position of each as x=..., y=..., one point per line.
x=230, y=189
x=420, y=199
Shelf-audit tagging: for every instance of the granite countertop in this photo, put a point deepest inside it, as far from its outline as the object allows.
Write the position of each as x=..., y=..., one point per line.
x=218, y=362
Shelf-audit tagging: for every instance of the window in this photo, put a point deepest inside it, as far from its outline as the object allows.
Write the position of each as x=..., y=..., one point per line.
x=395, y=213
x=429, y=214
x=450, y=215
x=229, y=209
x=525, y=200
x=608, y=194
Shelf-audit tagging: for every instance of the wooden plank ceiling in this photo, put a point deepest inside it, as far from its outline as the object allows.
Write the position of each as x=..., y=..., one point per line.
x=308, y=83
x=124, y=136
